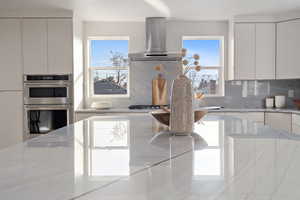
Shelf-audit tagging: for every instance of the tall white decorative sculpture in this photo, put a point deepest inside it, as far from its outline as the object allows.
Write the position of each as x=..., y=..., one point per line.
x=182, y=114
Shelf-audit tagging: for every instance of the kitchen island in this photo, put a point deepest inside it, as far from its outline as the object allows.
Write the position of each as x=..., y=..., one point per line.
x=124, y=157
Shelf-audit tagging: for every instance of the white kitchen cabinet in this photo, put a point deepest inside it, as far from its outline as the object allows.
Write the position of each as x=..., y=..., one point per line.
x=244, y=51
x=11, y=69
x=288, y=48
x=47, y=46
x=281, y=121
x=254, y=51
x=296, y=124
x=60, y=46
x=11, y=118
x=251, y=116
x=34, y=34
x=265, y=51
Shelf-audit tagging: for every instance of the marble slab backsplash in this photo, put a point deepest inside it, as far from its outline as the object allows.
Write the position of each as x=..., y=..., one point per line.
x=252, y=94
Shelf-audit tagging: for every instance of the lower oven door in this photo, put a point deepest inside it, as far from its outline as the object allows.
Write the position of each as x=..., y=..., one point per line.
x=42, y=119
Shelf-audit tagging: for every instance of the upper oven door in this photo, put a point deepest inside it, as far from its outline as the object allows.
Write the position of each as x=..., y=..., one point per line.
x=37, y=93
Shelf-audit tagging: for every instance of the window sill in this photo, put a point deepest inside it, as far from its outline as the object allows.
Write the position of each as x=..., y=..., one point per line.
x=214, y=96
x=110, y=97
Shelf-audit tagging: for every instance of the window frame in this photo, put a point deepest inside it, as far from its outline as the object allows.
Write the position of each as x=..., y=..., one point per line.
x=220, y=68
x=90, y=70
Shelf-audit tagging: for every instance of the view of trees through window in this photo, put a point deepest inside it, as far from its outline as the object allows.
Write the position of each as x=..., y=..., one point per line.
x=109, y=66
x=210, y=78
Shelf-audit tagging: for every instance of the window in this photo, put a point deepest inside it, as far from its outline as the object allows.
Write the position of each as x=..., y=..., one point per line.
x=108, y=66
x=210, y=79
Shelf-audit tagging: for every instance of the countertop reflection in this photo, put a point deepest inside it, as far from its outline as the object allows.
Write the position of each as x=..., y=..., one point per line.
x=127, y=157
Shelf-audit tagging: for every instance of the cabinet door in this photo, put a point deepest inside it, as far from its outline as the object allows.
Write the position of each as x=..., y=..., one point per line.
x=296, y=124
x=34, y=32
x=251, y=116
x=11, y=118
x=281, y=121
x=60, y=46
x=288, y=48
x=11, y=70
x=265, y=51
x=244, y=51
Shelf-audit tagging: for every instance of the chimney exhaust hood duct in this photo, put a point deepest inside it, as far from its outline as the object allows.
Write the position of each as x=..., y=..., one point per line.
x=155, y=42
x=156, y=36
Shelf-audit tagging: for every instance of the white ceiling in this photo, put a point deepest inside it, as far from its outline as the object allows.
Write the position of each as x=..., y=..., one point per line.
x=136, y=10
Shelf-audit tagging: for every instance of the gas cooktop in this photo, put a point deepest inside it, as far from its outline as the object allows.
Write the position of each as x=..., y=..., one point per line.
x=141, y=107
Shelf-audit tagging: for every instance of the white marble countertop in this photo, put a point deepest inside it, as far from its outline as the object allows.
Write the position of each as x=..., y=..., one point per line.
x=126, y=110
x=124, y=158
x=112, y=110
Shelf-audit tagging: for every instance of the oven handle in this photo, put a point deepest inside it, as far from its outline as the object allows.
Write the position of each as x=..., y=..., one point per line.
x=47, y=107
x=28, y=85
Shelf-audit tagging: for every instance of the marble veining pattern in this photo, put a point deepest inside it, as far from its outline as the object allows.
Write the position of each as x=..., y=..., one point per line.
x=123, y=157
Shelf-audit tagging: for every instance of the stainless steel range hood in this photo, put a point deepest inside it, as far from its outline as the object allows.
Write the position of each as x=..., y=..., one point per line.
x=155, y=43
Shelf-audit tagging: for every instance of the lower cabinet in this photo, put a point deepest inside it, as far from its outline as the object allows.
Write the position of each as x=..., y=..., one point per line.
x=296, y=124
x=11, y=118
x=251, y=116
x=282, y=121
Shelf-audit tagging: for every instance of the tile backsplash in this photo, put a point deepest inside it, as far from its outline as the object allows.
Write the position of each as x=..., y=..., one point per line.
x=252, y=94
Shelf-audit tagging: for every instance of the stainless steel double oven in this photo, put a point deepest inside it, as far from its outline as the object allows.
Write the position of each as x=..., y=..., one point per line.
x=47, y=103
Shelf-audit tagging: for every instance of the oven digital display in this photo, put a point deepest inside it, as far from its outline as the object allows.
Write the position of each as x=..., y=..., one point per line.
x=43, y=92
x=47, y=77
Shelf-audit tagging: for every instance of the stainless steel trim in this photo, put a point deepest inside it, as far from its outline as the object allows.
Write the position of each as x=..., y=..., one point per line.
x=143, y=57
x=42, y=101
x=47, y=107
x=47, y=82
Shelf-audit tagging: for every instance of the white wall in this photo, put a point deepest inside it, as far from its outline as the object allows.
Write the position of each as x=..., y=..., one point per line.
x=136, y=32
x=78, y=63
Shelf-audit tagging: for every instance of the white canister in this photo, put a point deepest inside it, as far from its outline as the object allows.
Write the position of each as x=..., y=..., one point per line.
x=280, y=101
x=269, y=102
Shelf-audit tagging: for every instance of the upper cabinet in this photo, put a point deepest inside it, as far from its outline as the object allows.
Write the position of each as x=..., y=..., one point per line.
x=254, y=51
x=60, y=49
x=288, y=48
x=34, y=46
x=11, y=69
x=265, y=50
x=244, y=51
x=47, y=46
